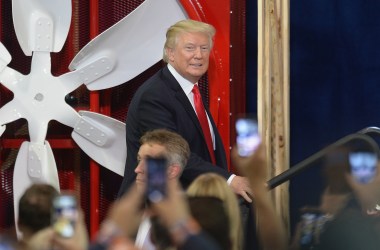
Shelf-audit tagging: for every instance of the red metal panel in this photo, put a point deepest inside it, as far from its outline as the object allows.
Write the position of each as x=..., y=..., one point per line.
x=54, y=143
x=94, y=106
x=217, y=13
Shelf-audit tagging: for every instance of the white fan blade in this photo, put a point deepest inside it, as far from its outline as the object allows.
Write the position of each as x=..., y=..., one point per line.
x=41, y=25
x=34, y=164
x=2, y=129
x=8, y=114
x=103, y=139
x=5, y=57
x=129, y=47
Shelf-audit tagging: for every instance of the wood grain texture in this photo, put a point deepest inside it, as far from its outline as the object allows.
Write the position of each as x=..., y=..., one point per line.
x=273, y=92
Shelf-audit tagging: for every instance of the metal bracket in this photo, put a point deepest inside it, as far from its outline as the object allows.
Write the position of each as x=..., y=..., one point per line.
x=91, y=131
x=44, y=28
x=96, y=69
x=35, y=159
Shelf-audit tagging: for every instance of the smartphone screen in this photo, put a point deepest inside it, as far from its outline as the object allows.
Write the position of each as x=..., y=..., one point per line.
x=64, y=214
x=248, y=137
x=156, y=179
x=312, y=225
x=363, y=166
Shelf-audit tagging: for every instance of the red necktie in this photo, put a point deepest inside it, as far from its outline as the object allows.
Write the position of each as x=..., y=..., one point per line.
x=201, y=113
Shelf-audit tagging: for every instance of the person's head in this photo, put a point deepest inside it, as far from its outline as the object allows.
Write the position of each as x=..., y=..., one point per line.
x=213, y=185
x=162, y=143
x=344, y=184
x=187, y=48
x=211, y=215
x=35, y=208
x=335, y=166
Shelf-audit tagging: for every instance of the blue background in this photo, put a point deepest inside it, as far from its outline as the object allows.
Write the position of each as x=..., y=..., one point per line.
x=334, y=79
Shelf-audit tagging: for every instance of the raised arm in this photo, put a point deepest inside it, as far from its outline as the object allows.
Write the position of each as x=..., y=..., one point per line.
x=271, y=230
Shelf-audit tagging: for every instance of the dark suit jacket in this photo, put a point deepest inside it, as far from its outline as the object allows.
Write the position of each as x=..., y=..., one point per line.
x=161, y=103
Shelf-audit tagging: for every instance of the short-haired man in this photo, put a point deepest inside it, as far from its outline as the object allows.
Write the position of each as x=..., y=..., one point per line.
x=159, y=143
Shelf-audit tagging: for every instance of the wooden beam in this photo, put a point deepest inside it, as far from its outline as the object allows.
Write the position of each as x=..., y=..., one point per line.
x=273, y=92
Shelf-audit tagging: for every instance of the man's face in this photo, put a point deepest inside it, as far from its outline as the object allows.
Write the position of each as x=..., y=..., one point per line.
x=146, y=150
x=190, y=57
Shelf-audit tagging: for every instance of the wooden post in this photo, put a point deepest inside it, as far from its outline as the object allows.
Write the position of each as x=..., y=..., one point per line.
x=273, y=92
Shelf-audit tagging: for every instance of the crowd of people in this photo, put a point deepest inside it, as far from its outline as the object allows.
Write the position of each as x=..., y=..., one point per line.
x=206, y=216
x=201, y=205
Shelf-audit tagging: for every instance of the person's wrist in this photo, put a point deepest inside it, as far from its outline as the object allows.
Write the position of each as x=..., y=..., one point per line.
x=183, y=229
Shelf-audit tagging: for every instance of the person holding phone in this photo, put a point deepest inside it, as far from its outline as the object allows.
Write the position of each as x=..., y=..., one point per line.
x=162, y=156
x=345, y=202
x=173, y=211
x=36, y=221
x=168, y=100
x=271, y=232
x=34, y=212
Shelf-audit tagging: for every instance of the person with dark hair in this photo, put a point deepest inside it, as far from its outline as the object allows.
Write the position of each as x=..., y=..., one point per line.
x=34, y=222
x=211, y=215
x=35, y=207
x=185, y=231
x=348, y=227
x=171, y=99
x=209, y=212
x=213, y=185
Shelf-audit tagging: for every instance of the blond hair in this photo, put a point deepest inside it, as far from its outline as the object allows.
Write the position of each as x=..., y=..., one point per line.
x=186, y=26
x=214, y=185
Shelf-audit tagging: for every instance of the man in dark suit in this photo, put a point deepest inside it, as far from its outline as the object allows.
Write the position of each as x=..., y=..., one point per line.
x=166, y=101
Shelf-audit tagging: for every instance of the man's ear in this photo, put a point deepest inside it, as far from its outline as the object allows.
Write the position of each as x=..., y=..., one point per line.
x=174, y=171
x=170, y=54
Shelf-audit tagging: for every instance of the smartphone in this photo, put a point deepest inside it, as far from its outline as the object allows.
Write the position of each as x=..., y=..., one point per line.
x=156, y=179
x=247, y=138
x=363, y=166
x=308, y=221
x=312, y=225
x=64, y=214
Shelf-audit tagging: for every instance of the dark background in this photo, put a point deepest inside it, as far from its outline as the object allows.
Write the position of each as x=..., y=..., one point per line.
x=334, y=79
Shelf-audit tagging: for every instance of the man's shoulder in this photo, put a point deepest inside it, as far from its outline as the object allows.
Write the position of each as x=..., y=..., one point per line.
x=156, y=83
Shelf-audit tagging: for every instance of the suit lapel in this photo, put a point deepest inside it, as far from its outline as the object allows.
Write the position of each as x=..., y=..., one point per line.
x=181, y=97
x=172, y=83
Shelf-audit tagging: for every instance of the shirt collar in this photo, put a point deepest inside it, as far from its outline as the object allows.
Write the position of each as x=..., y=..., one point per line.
x=185, y=84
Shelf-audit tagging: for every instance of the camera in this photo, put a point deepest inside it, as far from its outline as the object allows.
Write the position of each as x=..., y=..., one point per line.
x=64, y=214
x=248, y=137
x=156, y=179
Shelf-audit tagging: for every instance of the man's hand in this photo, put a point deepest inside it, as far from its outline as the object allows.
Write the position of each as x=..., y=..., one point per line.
x=254, y=167
x=80, y=239
x=240, y=186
